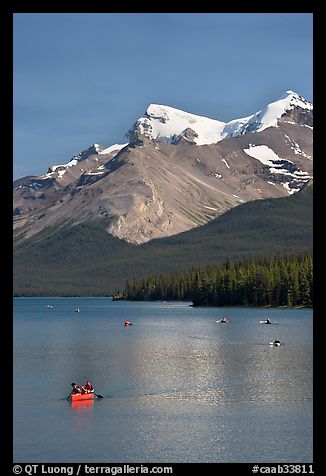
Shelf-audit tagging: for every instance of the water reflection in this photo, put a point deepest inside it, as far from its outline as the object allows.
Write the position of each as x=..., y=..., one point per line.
x=82, y=405
x=209, y=371
x=177, y=386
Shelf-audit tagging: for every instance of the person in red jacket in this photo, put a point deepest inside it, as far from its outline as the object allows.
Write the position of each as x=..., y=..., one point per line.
x=76, y=390
x=88, y=388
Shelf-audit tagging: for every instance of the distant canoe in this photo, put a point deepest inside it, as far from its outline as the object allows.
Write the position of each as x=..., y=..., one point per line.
x=78, y=397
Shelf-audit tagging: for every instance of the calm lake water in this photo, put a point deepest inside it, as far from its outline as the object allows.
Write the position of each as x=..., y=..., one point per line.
x=177, y=386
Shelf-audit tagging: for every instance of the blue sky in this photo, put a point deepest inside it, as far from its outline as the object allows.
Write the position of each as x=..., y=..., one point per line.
x=84, y=78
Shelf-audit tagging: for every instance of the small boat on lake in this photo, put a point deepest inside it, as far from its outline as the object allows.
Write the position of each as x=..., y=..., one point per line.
x=276, y=343
x=78, y=397
x=224, y=320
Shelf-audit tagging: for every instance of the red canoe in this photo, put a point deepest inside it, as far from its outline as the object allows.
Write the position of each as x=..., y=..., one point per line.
x=81, y=396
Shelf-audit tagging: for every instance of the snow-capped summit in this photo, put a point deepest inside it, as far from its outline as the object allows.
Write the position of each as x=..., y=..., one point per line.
x=269, y=116
x=165, y=123
x=294, y=99
x=177, y=171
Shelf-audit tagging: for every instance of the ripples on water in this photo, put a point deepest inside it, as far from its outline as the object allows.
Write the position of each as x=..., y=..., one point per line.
x=178, y=387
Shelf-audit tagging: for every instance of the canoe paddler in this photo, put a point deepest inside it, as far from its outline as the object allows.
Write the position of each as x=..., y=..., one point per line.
x=76, y=389
x=88, y=388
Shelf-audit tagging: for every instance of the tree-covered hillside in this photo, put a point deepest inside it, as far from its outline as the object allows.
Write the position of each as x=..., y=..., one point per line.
x=84, y=260
x=275, y=281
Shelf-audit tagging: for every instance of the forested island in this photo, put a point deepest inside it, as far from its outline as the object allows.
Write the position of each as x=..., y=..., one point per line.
x=260, y=281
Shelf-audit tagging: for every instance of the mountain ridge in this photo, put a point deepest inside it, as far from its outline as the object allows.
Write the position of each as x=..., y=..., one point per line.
x=163, y=182
x=166, y=123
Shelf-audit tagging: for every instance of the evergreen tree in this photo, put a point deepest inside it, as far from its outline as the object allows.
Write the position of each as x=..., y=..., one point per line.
x=273, y=281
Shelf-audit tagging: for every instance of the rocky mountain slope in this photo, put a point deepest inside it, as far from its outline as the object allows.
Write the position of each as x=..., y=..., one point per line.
x=84, y=260
x=176, y=172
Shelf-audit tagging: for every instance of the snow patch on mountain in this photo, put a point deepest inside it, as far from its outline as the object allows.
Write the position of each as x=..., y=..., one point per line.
x=97, y=148
x=276, y=164
x=60, y=169
x=61, y=173
x=263, y=153
x=93, y=149
x=296, y=148
x=112, y=148
x=290, y=190
x=71, y=163
x=94, y=173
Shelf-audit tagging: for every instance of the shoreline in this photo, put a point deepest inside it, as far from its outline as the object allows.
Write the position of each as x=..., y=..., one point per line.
x=162, y=301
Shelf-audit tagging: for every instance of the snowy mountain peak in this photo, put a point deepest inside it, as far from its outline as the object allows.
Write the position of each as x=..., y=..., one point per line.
x=168, y=124
x=269, y=116
x=288, y=101
x=295, y=99
x=145, y=190
x=159, y=111
x=165, y=123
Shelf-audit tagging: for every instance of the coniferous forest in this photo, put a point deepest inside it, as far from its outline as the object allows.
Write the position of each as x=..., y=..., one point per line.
x=261, y=281
x=84, y=260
